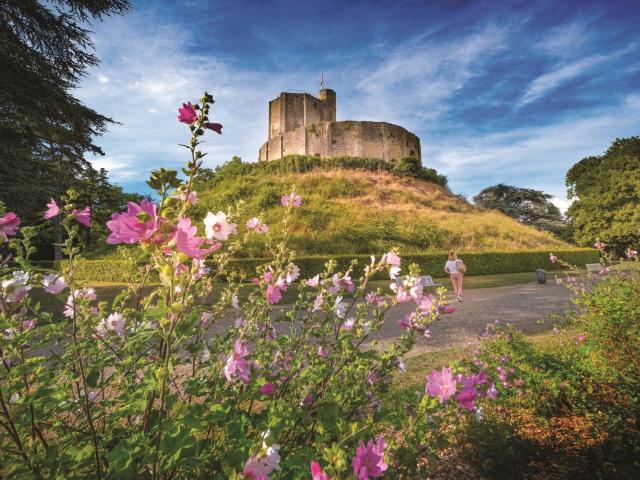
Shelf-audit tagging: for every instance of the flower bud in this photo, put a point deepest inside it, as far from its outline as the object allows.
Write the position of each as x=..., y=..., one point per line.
x=176, y=307
x=161, y=373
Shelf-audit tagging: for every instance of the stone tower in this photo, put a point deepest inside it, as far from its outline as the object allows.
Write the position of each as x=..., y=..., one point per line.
x=302, y=124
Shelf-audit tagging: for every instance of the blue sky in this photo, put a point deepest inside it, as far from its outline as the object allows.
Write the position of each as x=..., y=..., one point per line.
x=510, y=91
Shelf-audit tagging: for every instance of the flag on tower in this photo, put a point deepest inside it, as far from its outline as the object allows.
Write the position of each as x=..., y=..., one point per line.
x=322, y=81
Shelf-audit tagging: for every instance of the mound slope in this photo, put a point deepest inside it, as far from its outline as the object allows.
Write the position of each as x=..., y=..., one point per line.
x=357, y=211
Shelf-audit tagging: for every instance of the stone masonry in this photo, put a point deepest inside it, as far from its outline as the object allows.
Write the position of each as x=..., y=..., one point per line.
x=301, y=124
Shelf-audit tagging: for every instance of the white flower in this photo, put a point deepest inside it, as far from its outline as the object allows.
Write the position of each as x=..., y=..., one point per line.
x=234, y=301
x=14, y=398
x=273, y=456
x=401, y=365
x=114, y=322
x=339, y=308
x=53, y=283
x=217, y=227
x=205, y=355
x=292, y=273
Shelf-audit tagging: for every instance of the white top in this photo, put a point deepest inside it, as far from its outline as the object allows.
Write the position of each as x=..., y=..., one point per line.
x=452, y=265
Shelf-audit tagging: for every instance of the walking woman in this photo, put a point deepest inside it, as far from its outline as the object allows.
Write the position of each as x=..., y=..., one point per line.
x=456, y=270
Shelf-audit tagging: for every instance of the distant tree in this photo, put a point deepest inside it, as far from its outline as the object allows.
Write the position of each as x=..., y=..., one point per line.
x=45, y=48
x=528, y=206
x=605, y=190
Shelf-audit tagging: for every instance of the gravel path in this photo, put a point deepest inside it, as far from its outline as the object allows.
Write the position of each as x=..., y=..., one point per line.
x=526, y=306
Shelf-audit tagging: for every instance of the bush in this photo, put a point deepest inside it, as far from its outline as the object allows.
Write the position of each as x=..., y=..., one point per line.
x=406, y=167
x=478, y=263
x=571, y=410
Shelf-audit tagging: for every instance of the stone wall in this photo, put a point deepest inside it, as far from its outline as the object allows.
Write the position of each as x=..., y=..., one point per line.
x=348, y=138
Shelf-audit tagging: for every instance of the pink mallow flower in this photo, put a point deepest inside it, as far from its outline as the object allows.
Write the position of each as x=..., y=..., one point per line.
x=392, y=261
x=217, y=227
x=114, y=323
x=257, y=469
x=29, y=324
x=316, y=472
x=8, y=224
x=82, y=216
x=188, y=243
x=255, y=225
x=468, y=394
x=600, y=245
x=441, y=384
x=85, y=294
x=267, y=389
x=293, y=272
x=139, y=224
x=294, y=200
x=237, y=365
x=553, y=258
x=273, y=294
x=187, y=113
x=53, y=283
x=369, y=460
x=192, y=198
x=52, y=210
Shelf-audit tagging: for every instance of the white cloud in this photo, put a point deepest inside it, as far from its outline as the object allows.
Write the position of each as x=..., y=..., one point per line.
x=565, y=39
x=150, y=74
x=103, y=79
x=534, y=157
x=544, y=83
x=413, y=82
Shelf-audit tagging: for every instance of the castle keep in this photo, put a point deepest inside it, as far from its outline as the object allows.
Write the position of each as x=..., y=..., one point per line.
x=302, y=124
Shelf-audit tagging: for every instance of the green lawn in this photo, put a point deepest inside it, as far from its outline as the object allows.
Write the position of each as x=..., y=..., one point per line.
x=420, y=365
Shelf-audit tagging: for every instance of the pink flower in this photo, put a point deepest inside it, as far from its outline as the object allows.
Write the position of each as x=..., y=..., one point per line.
x=188, y=243
x=216, y=127
x=139, y=224
x=631, y=253
x=192, y=198
x=88, y=294
x=580, y=339
x=316, y=472
x=441, y=384
x=267, y=389
x=256, y=469
x=446, y=309
x=187, y=114
x=294, y=200
x=8, y=224
x=236, y=364
x=402, y=295
x=313, y=282
x=114, y=323
x=600, y=245
x=392, y=261
x=322, y=352
x=82, y=216
x=273, y=294
x=29, y=324
x=373, y=298
x=53, y=283
x=341, y=283
x=492, y=392
x=216, y=226
x=369, y=460
x=52, y=210
x=468, y=393
x=553, y=258
x=255, y=225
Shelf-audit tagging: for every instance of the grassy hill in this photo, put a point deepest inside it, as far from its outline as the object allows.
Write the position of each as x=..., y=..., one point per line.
x=358, y=207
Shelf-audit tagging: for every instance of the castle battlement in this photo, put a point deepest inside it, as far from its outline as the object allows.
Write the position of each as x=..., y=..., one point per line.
x=301, y=124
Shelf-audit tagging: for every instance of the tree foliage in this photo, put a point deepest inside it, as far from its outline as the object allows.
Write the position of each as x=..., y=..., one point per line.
x=606, y=193
x=528, y=206
x=45, y=49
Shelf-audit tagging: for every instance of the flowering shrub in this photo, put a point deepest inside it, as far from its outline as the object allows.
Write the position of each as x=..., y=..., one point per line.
x=570, y=407
x=168, y=384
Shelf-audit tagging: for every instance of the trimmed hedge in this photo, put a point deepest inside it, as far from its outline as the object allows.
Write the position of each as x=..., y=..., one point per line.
x=478, y=263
